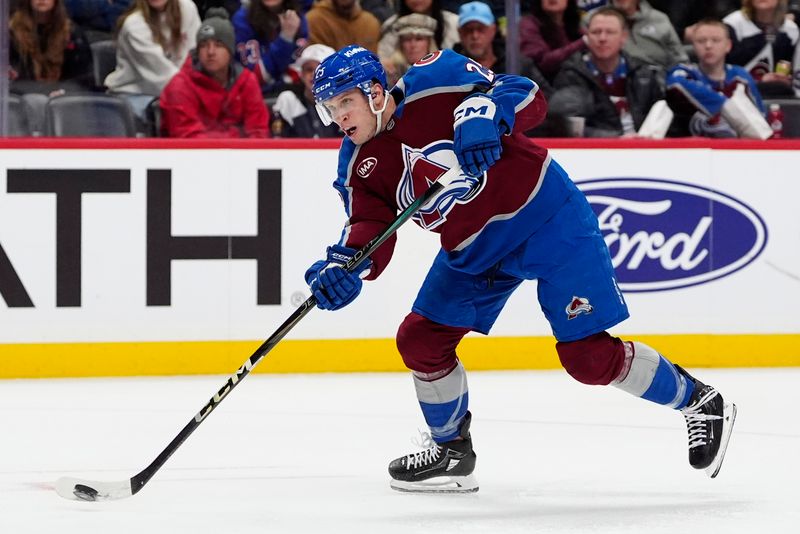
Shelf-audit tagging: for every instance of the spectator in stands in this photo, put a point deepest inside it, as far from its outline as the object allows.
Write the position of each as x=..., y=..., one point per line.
x=338, y=23
x=651, y=36
x=480, y=41
x=97, y=15
x=268, y=34
x=48, y=52
x=212, y=95
x=699, y=93
x=612, y=91
x=764, y=43
x=295, y=112
x=551, y=33
x=477, y=30
x=415, y=33
x=153, y=39
x=446, y=35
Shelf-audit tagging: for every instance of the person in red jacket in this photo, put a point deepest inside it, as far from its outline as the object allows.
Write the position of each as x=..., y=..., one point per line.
x=212, y=96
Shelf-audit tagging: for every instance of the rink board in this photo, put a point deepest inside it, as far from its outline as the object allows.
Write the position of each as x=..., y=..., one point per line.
x=158, y=257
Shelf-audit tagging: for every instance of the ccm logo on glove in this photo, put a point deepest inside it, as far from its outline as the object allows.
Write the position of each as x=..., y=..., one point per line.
x=474, y=108
x=476, y=135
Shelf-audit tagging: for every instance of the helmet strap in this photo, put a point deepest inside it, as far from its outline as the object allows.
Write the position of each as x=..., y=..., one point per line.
x=378, y=112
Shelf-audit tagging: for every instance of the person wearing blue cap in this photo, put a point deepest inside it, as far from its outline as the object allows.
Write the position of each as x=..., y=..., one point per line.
x=479, y=41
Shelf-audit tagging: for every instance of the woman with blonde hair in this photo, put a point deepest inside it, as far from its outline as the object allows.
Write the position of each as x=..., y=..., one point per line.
x=764, y=42
x=415, y=34
x=153, y=39
x=445, y=35
x=47, y=48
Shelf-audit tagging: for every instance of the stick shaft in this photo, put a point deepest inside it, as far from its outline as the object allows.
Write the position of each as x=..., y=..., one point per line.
x=139, y=480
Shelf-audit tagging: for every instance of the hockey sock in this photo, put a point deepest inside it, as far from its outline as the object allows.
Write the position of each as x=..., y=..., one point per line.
x=647, y=374
x=444, y=402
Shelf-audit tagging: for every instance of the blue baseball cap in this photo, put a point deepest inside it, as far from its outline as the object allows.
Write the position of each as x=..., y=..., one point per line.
x=475, y=12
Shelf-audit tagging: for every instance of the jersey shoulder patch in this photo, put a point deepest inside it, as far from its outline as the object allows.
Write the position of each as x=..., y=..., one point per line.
x=442, y=71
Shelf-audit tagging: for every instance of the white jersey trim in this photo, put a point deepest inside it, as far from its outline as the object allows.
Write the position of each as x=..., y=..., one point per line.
x=349, y=201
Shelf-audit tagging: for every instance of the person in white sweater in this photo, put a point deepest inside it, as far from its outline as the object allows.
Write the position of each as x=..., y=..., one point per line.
x=153, y=39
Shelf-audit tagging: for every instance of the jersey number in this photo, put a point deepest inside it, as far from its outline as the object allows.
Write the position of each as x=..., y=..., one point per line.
x=473, y=66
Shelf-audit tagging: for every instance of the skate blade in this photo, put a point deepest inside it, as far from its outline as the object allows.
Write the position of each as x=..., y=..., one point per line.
x=467, y=484
x=728, y=418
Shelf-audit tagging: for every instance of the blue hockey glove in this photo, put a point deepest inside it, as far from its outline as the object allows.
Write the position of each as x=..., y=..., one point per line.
x=477, y=134
x=331, y=285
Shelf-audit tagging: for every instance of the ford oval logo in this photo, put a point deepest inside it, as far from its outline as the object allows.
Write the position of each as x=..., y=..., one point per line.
x=666, y=235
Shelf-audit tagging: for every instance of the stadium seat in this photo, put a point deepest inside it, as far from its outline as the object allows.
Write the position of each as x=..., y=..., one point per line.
x=153, y=113
x=18, y=124
x=104, y=60
x=34, y=108
x=791, y=115
x=89, y=115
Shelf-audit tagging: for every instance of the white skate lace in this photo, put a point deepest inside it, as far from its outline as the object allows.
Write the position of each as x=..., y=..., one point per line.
x=428, y=456
x=696, y=422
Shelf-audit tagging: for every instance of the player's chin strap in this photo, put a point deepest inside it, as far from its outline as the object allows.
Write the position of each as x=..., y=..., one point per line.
x=379, y=112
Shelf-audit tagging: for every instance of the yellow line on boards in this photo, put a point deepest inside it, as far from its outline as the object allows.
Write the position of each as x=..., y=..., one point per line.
x=56, y=360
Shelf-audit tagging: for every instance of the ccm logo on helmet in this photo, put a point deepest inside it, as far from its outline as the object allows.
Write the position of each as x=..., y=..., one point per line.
x=366, y=167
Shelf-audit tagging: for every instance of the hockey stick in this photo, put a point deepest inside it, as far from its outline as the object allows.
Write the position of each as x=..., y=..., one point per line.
x=91, y=490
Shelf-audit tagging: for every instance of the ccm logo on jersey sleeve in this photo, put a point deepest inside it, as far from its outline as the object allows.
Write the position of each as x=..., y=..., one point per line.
x=666, y=235
x=366, y=167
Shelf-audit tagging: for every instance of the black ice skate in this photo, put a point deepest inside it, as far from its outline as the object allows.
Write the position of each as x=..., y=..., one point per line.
x=441, y=468
x=709, y=420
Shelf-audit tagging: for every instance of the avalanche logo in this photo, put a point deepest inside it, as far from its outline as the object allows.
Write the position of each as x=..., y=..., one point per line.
x=424, y=166
x=666, y=235
x=578, y=306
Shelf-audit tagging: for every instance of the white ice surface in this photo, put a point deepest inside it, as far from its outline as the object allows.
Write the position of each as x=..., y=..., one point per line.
x=303, y=453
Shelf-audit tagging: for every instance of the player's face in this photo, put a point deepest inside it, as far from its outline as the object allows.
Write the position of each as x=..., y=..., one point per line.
x=711, y=44
x=214, y=57
x=606, y=36
x=350, y=111
x=414, y=47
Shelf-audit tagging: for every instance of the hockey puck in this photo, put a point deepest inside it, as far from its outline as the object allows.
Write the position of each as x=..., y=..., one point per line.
x=85, y=493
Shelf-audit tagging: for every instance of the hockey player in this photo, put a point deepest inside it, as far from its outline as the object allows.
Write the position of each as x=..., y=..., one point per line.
x=514, y=215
